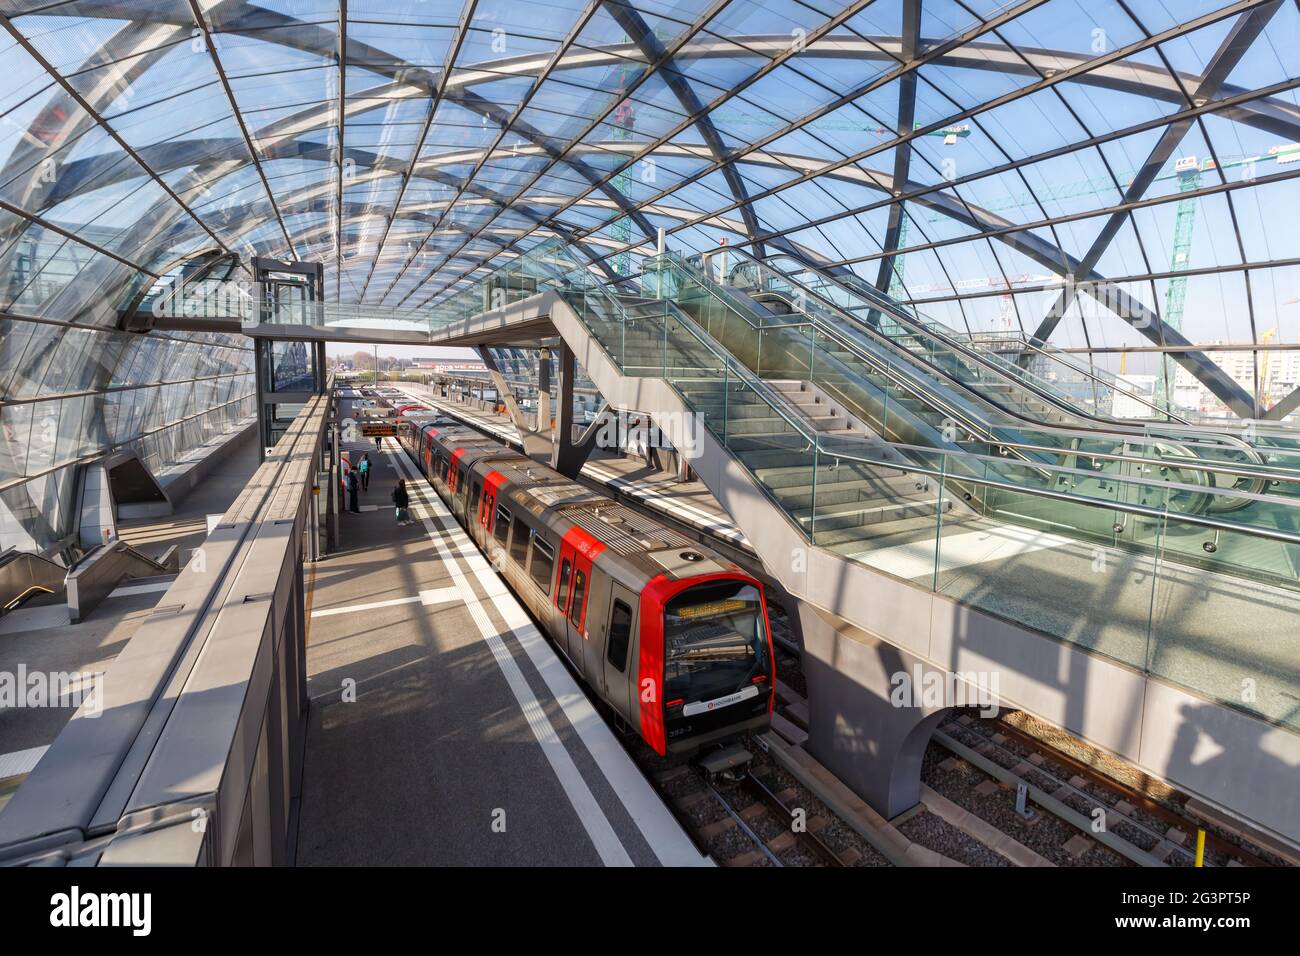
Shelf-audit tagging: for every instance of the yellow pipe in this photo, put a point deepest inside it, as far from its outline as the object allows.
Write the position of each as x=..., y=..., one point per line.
x=1200, y=847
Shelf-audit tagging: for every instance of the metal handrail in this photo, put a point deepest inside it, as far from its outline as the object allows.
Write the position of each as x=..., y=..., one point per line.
x=986, y=432
x=857, y=349
x=1068, y=470
x=1274, y=534
x=950, y=340
x=950, y=336
x=894, y=375
x=920, y=327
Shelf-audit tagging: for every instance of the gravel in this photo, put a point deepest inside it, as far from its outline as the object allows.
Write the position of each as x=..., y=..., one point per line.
x=1046, y=834
x=937, y=834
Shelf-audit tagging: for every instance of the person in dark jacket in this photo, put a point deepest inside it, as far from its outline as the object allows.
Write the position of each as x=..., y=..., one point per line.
x=403, y=501
x=352, y=492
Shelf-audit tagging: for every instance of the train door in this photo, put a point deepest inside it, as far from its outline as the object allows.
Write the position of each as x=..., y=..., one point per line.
x=620, y=628
x=578, y=550
x=426, y=461
x=487, y=507
x=472, y=508
x=456, y=484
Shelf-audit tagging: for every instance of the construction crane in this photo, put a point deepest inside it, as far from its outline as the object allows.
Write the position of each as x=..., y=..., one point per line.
x=896, y=290
x=1188, y=171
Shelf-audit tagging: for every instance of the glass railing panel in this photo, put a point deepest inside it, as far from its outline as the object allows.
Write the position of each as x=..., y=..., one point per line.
x=1230, y=638
x=1051, y=565
x=883, y=514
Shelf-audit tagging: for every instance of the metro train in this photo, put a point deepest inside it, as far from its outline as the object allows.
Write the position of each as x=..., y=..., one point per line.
x=672, y=637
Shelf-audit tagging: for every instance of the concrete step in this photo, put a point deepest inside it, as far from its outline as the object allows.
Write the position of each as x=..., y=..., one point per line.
x=889, y=534
x=854, y=515
x=788, y=444
x=894, y=487
x=776, y=468
x=733, y=410
x=757, y=426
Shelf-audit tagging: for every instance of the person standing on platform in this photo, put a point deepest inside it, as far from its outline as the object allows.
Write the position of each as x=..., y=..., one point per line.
x=379, y=443
x=352, y=492
x=364, y=468
x=403, y=501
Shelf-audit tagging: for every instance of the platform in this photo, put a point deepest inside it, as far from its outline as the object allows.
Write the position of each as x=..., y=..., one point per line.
x=467, y=740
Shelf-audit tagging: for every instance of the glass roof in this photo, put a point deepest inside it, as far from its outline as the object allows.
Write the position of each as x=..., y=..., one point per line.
x=1108, y=175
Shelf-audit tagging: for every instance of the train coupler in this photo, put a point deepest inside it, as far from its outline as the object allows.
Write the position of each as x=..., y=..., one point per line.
x=731, y=762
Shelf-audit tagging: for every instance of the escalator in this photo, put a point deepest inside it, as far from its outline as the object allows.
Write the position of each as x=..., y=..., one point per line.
x=994, y=463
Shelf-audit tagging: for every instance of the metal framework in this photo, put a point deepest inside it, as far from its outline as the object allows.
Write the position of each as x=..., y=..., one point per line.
x=764, y=136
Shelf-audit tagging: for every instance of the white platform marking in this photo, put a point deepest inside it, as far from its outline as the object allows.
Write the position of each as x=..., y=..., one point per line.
x=20, y=762
x=434, y=596
x=152, y=587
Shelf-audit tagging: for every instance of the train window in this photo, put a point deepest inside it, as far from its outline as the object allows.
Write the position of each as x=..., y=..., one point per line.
x=502, y=526
x=473, y=501
x=461, y=488
x=579, y=587
x=543, y=564
x=620, y=634
x=519, y=543
x=562, y=592
x=715, y=641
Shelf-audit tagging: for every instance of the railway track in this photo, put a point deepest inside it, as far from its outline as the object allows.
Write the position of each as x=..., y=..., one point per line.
x=1214, y=843
x=1148, y=827
x=746, y=822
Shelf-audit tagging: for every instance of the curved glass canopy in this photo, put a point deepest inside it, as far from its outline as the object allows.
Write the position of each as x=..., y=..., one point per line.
x=1116, y=177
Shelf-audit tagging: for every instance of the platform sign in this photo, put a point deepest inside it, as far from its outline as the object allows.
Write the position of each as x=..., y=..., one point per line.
x=378, y=429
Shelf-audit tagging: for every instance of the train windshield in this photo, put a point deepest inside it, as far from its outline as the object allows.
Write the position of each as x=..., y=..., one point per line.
x=714, y=641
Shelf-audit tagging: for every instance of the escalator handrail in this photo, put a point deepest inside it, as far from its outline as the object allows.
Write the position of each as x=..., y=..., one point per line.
x=915, y=389
x=1274, y=534
x=933, y=330
x=953, y=338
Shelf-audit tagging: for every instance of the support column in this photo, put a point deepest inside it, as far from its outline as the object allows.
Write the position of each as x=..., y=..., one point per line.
x=552, y=446
x=537, y=443
x=544, y=392
x=262, y=367
x=318, y=364
x=568, y=455
x=870, y=736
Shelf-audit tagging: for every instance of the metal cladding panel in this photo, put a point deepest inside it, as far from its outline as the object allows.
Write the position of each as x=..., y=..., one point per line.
x=626, y=532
